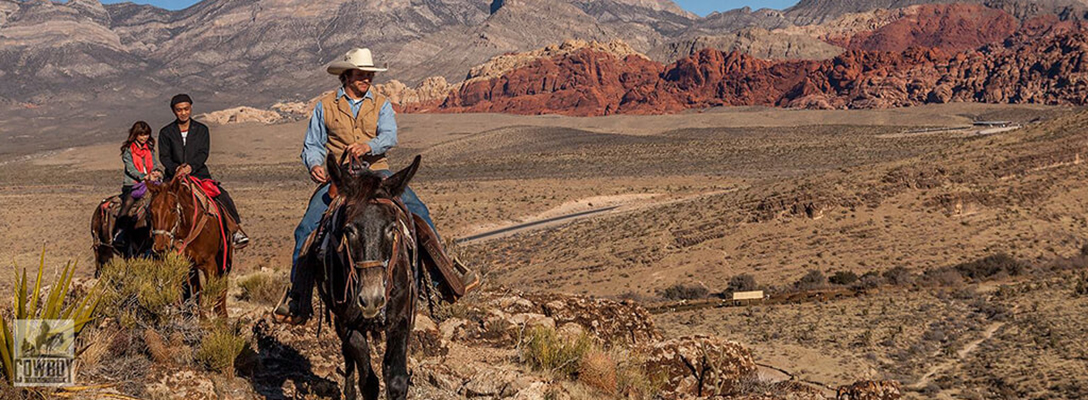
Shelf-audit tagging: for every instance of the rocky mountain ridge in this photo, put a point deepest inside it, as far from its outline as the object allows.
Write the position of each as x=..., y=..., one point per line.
x=1026, y=69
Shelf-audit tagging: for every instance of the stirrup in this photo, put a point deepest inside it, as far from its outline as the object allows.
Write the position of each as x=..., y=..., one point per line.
x=282, y=313
x=468, y=277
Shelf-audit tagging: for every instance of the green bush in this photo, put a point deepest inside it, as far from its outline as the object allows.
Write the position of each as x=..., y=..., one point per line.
x=144, y=291
x=898, y=276
x=60, y=303
x=222, y=344
x=213, y=291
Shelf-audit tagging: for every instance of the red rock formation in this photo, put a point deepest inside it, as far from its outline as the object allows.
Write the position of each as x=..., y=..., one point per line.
x=950, y=27
x=585, y=82
x=1026, y=68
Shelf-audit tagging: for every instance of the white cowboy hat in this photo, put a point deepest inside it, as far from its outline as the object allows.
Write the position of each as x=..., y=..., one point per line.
x=359, y=59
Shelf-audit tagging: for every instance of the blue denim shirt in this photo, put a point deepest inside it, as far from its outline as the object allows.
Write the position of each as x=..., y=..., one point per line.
x=313, y=147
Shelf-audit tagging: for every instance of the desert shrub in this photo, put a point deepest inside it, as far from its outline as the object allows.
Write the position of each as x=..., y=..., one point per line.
x=742, y=283
x=994, y=311
x=1084, y=249
x=260, y=288
x=843, y=278
x=460, y=310
x=812, y=280
x=212, y=290
x=1080, y=288
x=597, y=369
x=221, y=346
x=898, y=276
x=545, y=350
x=143, y=291
x=868, y=280
x=637, y=297
x=944, y=276
x=681, y=291
x=990, y=266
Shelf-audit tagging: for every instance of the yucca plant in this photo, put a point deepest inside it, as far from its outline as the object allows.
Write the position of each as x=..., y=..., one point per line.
x=80, y=310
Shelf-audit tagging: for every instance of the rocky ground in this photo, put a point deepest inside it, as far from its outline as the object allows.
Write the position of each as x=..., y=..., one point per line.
x=703, y=197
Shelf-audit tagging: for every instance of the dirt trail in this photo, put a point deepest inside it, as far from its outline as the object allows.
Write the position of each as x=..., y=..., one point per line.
x=618, y=204
x=773, y=374
x=960, y=355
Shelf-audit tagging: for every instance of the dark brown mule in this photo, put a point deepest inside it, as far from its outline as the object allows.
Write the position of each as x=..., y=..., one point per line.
x=105, y=222
x=364, y=268
x=181, y=222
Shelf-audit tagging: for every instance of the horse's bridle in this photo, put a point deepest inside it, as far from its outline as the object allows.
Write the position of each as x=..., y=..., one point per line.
x=194, y=231
x=404, y=230
x=177, y=222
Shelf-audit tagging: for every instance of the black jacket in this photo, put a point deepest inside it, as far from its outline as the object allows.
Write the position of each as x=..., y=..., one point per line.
x=194, y=151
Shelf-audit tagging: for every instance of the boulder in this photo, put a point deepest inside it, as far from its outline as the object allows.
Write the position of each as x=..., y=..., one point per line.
x=699, y=366
x=870, y=390
x=427, y=339
x=238, y=115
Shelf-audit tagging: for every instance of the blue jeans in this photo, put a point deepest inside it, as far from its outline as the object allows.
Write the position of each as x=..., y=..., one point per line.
x=320, y=202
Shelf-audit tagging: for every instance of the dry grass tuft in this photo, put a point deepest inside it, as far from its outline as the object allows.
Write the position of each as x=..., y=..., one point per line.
x=598, y=370
x=260, y=288
x=543, y=349
x=632, y=380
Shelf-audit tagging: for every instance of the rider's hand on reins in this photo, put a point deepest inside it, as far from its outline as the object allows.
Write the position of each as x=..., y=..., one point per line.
x=318, y=174
x=359, y=149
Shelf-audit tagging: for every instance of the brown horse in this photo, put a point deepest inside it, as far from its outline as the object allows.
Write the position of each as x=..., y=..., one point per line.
x=185, y=220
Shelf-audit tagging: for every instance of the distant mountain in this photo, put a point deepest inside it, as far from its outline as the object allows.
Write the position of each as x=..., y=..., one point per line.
x=808, y=12
x=99, y=58
x=260, y=51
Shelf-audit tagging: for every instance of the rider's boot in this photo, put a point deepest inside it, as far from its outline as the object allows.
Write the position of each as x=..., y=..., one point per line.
x=241, y=240
x=296, y=306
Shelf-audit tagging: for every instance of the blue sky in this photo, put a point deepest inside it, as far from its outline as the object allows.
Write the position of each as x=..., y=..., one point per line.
x=701, y=7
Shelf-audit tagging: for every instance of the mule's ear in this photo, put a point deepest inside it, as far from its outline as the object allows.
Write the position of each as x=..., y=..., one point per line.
x=396, y=184
x=336, y=175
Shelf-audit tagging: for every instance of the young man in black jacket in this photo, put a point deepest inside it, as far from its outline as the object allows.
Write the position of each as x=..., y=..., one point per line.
x=183, y=149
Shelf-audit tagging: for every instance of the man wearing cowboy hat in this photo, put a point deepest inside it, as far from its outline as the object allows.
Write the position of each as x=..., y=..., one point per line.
x=357, y=120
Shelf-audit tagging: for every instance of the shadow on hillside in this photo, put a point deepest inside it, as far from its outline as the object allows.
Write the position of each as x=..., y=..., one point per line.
x=280, y=363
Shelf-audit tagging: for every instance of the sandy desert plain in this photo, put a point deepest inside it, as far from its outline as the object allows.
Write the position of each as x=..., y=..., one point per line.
x=702, y=198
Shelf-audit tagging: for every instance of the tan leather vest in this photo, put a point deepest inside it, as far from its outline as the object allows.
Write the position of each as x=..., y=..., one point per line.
x=346, y=129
